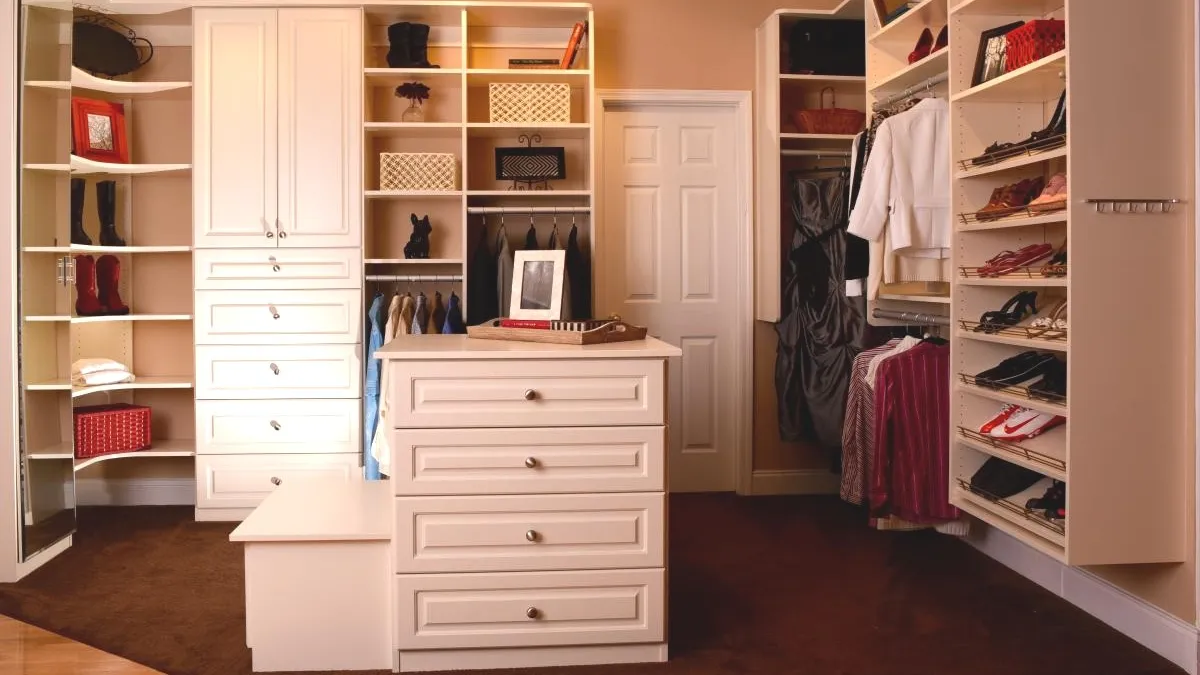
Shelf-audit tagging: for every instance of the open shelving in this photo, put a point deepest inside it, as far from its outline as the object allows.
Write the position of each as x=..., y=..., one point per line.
x=1116, y=472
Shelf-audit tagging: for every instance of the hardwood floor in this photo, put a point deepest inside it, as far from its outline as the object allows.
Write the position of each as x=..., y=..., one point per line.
x=26, y=650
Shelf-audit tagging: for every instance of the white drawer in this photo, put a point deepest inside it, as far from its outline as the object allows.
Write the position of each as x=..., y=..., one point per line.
x=282, y=427
x=278, y=317
x=446, y=611
x=522, y=533
x=600, y=392
x=278, y=371
x=242, y=481
x=283, y=268
x=518, y=461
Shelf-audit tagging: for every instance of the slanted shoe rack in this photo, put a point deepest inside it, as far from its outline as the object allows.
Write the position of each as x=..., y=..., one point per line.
x=1123, y=452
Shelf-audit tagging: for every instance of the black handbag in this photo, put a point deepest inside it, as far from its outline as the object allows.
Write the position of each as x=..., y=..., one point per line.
x=827, y=47
x=104, y=46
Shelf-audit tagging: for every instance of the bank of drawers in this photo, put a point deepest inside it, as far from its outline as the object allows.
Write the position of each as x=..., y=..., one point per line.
x=278, y=371
x=530, y=502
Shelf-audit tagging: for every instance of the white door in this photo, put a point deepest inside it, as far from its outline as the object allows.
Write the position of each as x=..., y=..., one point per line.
x=234, y=133
x=320, y=127
x=669, y=261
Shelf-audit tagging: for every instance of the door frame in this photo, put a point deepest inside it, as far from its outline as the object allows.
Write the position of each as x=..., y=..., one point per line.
x=740, y=102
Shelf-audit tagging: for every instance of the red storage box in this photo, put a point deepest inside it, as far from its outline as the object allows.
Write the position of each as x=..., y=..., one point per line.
x=1035, y=40
x=108, y=429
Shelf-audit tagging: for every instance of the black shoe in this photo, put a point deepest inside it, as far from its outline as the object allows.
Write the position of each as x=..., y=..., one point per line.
x=400, y=45
x=418, y=46
x=1002, y=479
x=106, y=205
x=79, y=236
x=1014, y=370
x=1053, y=385
x=1052, y=500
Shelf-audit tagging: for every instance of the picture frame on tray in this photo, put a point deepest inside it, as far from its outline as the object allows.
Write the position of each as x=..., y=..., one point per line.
x=989, y=59
x=537, y=285
x=98, y=130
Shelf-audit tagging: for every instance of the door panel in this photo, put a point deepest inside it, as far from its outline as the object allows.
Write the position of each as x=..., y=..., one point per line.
x=670, y=250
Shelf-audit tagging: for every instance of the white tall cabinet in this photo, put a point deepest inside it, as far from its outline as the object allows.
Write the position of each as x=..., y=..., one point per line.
x=278, y=231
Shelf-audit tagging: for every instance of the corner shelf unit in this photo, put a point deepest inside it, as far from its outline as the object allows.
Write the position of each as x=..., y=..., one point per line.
x=471, y=44
x=1123, y=450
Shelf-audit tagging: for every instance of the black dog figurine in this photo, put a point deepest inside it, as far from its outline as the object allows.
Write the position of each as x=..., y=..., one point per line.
x=418, y=243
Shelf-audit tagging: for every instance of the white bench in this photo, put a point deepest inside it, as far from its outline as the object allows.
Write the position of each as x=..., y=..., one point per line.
x=318, y=569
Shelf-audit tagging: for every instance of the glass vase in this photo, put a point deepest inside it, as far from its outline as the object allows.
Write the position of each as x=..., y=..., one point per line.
x=414, y=113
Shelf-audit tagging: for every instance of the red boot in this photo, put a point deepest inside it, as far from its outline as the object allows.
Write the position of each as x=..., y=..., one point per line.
x=108, y=278
x=86, y=302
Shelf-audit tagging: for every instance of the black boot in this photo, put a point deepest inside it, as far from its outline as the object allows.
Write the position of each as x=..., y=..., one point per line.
x=400, y=45
x=79, y=236
x=418, y=46
x=106, y=204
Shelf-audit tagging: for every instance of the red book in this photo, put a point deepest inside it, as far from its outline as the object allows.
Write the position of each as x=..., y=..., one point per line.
x=525, y=323
x=572, y=49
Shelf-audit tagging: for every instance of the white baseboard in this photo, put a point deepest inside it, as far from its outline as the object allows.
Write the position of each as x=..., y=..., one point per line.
x=1170, y=637
x=794, y=482
x=135, y=491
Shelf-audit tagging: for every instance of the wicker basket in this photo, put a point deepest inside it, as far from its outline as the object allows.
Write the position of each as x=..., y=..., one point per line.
x=1035, y=40
x=417, y=171
x=831, y=120
x=112, y=428
x=520, y=102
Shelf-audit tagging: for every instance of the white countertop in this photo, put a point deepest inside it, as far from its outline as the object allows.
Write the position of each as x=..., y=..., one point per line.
x=321, y=509
x=458, y=347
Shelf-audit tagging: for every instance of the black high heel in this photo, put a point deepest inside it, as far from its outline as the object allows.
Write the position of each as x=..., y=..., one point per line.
x=1058, y=122
x=1013, y=312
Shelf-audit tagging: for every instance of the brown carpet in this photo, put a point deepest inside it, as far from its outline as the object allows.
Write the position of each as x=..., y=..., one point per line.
x=764, y=586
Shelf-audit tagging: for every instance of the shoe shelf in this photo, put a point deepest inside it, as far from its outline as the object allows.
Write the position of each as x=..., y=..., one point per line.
x=1017, y=336
x=1022, y=218
x=1017, y=161
x=1037, y=81
x=1018, y=395
x=912, y=74
x=906, y=28
x=1026, y=8
x=1045, y=454
x=1026, y=522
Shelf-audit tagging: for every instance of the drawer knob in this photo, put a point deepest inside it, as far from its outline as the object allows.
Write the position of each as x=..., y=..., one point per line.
x=531, y=462
x=282, y=234
x=530, y=394
x=532, y=612
x=274, y=268
x=274, y=263
x=275, y=425
x=270, y=235
x=274, y=312
x=274, y=369
x=532, y=535
x=276, y=481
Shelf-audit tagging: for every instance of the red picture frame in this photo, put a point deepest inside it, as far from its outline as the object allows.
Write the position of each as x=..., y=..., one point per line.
x=98, y=130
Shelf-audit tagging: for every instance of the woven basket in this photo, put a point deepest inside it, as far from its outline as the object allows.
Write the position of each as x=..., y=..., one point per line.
x=109, y=429
x=417, y=171
x=529, y=102
x=1032, y=41
x=831, y=120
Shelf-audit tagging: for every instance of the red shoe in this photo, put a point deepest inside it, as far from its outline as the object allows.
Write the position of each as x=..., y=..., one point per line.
x=924, y=45
x=943, y=39
x=1002, y=416
x=86, y=302
x=108, y=277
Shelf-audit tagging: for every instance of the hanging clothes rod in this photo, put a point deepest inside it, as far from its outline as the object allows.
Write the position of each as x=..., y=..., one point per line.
x=528, y=210
x=815, y=153
x=920, y=86
x=915, y=317
x=414, y=277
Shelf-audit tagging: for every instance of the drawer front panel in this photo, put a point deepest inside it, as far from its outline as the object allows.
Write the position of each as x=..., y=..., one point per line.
x=243, y=481
x=439, y=611
x=283, y=268
x=518, y=461
x=278, y=317
x=523, y=533
x=299, y=426
x=278, y=371
x=459, y=394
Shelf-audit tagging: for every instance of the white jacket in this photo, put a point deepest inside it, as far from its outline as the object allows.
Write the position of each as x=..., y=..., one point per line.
x=906, y=184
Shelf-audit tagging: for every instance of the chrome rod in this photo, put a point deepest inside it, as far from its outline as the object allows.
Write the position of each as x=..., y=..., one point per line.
x=814, y=153
x=918, y=87
x=414, y=277
x=527, y=210
x=915, y=317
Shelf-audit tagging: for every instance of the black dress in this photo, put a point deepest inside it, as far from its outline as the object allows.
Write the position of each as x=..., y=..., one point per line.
x=482, y=299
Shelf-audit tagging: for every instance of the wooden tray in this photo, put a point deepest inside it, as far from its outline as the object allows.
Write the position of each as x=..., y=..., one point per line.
x=611, y=331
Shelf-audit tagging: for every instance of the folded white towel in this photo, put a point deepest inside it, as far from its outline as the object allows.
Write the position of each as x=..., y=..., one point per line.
x=93, y=365
x=101, y=377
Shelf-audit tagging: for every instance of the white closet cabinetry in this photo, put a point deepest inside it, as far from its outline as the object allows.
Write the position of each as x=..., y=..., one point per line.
x=278, y=160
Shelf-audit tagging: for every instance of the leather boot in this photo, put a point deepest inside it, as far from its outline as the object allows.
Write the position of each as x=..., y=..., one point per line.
x=418, y=46
x=106, y=204
x=79, y=236
x=108, y=279
x=86, y=301
x=399, y=45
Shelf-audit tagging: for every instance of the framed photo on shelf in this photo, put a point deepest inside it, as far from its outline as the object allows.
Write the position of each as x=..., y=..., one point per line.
x=989, y=59
x=98, y=130
x=537, y=285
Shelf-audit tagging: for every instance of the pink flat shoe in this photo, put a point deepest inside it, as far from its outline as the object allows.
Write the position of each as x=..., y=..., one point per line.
x=1054, y=197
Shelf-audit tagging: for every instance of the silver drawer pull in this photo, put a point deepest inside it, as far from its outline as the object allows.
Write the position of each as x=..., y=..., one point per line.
x=275, y=481
x=531, y=462
x=532, y=612
x=282, y=234
x=532, y=535
x=274, y=369
x=275, y=425
x=274, y=263
x=270, y=234
x=530, y=394
x=274, y=312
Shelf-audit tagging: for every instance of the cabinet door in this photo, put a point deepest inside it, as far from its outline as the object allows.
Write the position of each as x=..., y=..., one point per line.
x=235, y=134
x=320, y=128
